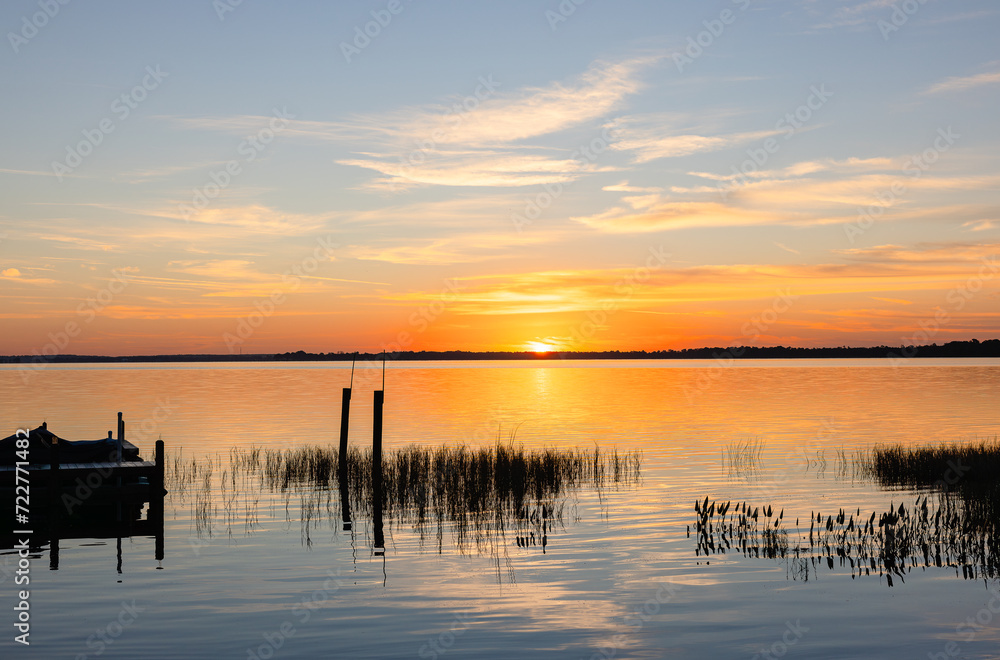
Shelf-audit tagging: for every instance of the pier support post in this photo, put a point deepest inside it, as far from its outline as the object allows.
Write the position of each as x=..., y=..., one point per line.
x=121, y=436
x=118, y=480
x=158, y=475
x=54, y=481
x=156, y=499
x=55, y=490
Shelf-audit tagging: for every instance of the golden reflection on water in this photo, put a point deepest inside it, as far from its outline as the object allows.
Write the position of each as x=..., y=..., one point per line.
x=696, y=409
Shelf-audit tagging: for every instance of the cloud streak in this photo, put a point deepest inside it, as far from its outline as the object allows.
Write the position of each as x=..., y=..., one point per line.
x=959, y=84
x=649, y=144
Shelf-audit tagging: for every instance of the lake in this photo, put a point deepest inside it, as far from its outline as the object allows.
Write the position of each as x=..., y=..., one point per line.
x=254, y=572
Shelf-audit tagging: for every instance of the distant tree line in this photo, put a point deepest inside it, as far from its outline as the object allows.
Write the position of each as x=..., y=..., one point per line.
x=953, y=349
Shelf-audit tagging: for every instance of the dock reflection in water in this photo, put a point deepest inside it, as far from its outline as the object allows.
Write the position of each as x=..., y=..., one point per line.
x=106, y=515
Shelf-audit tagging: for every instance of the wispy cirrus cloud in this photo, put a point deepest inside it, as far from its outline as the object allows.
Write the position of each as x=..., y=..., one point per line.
x=649, y=143
x=850, y=15
x=167, y=171
x=805, y=168
x=485, y=145
x=453, y=248
x=236, y=278
x=257, y=218
x=500, y=116
x=979, y=225
x=812, y=192
x=76, y=241
x=508, y=117
x=480, y=169
x=959, y=84
x=927, y=253
x=228, y=269
x=625, y=187
x=251, y=217
x=30, y=172
x=657, y=213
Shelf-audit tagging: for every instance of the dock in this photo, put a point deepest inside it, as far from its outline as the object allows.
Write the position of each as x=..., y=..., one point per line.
x=84, y=498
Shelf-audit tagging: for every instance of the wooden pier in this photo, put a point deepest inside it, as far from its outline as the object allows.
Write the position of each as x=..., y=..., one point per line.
x=97, y=477
x=88, y=499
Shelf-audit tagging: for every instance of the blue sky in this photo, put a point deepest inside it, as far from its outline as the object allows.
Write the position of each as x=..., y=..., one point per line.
x=587, y=138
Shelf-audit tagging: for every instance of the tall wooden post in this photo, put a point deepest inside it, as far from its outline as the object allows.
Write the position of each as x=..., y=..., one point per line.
x=342, y=477
x=345, y=415
x=55, y=489
x=54, y=483
x=156, y=499
x=377, y=472
x=159, y=468
x=121, y=436
x=118, y=480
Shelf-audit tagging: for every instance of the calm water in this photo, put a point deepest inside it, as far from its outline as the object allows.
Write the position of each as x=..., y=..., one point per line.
x=250, y=573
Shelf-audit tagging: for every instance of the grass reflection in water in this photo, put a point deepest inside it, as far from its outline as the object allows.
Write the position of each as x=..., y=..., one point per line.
x=954, y=523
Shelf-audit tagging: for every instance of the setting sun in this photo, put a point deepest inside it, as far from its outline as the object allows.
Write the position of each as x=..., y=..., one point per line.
x=540, y=347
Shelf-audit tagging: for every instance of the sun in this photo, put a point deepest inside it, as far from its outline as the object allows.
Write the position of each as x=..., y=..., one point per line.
x=539, y=347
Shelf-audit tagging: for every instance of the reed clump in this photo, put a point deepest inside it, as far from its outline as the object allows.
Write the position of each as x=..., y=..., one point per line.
x=945, y=466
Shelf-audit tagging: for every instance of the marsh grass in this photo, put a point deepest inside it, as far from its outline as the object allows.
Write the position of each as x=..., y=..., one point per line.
x=946, y=465
x=481, y=494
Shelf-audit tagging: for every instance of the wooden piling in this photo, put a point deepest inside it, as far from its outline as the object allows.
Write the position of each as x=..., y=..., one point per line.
x=54, y=484
x=118, y=480
x=377, y=470
x=156, y=498
x=345, y=415
x=55, y=490
x=158, y=475
x=121, y=436
x=377, y=440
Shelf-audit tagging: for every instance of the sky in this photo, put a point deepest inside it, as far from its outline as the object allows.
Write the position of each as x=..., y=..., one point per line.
x=233, y=176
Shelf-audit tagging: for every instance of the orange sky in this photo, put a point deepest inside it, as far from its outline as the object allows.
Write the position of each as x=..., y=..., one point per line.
x=595, y=187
